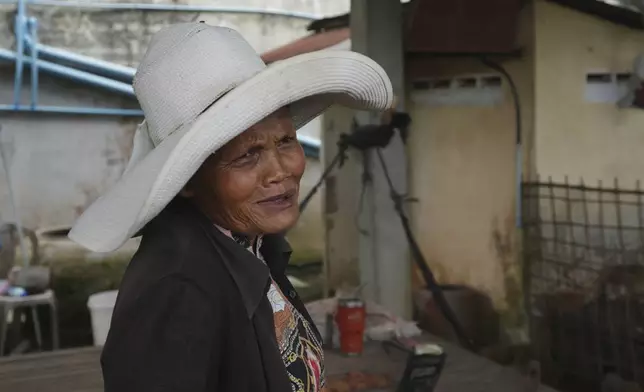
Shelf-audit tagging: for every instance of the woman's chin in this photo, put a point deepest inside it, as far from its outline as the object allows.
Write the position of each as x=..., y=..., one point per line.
x=281, y=222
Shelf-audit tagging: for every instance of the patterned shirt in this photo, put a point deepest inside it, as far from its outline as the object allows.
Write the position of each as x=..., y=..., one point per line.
x=299, y=346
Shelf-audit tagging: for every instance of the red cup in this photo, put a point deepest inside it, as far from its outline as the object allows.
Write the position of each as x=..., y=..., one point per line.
x=350, y=317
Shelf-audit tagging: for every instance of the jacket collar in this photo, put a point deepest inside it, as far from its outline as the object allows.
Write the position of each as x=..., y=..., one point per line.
x=251, y=276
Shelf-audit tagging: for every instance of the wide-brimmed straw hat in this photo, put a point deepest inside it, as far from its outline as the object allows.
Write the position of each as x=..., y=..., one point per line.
x=200, y=86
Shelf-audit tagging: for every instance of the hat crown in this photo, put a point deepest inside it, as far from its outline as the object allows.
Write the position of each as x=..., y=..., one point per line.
x=186, y=68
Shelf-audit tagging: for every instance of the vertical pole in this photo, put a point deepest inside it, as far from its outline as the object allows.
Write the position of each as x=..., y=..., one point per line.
x=385, y=269
x=33, y=34
x=19, y=30
x=14, y=205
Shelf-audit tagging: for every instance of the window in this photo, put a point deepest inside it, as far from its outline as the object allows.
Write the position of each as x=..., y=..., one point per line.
x=468, y=90
x=606, y=87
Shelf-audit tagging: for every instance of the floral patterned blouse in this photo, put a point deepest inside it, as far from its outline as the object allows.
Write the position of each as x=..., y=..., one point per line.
x=299, y=346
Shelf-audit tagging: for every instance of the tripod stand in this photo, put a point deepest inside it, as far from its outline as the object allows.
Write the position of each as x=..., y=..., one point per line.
x=376, y=137
x=338, y=159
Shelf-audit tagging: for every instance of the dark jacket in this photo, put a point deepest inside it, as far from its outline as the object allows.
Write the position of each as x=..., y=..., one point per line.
x=192, y=313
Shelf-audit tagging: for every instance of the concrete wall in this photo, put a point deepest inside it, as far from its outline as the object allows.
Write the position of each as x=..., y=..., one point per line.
x=581, y=134
x=122, y=36
x=59, y=164
x=462, y=162
x=462, y=153
x=574, y=137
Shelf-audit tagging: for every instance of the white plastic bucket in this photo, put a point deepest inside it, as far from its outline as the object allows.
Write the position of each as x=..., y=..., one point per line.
x=101, y=306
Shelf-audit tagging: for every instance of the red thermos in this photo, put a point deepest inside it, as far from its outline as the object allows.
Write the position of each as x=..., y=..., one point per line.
x=350, y=317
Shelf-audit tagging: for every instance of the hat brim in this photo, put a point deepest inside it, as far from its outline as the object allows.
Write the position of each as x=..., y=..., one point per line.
x=310, y=83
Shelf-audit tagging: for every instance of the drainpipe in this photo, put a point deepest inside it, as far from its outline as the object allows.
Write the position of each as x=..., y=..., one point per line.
x=169, y=7
x=20, y=23
x=89, y=64
x=67, y=73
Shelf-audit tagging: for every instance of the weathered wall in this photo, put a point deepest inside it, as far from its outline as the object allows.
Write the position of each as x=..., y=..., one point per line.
x=574, y=137
x=462, y=162
x=45, y=151
x=122, y=36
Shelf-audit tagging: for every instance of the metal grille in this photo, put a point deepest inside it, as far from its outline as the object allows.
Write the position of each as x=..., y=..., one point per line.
x=584, y=254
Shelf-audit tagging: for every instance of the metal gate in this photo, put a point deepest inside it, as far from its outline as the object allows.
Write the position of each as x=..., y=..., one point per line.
x=584, y=273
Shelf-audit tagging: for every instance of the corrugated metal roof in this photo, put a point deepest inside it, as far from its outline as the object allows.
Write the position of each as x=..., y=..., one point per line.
x=308, y=44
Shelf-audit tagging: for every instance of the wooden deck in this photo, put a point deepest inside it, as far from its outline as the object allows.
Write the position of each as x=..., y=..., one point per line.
x=79, y=371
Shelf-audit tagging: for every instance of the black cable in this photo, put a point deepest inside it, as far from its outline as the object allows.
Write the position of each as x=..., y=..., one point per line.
x=515, y=95
x=417, y=254
x=338, y=159
x=519, y=157
x=518, y=137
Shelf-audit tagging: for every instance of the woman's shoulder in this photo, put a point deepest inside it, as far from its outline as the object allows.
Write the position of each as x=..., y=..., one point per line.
x=176, y=245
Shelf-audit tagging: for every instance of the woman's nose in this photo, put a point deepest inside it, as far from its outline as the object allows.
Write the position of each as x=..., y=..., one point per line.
x=275, y=170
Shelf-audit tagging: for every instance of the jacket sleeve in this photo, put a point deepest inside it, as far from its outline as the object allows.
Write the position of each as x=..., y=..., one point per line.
x=166, y=342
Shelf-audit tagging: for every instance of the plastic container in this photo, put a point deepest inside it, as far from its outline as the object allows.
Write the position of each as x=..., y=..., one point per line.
x=101, y=306
x=351, y=317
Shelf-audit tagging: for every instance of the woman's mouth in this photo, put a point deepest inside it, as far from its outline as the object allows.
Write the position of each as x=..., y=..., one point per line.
x=279, y=202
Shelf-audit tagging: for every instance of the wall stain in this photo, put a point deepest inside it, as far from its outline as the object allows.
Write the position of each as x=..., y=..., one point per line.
x=504, y=240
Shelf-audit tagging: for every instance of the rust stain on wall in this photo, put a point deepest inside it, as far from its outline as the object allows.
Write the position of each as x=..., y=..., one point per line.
x=504, y=237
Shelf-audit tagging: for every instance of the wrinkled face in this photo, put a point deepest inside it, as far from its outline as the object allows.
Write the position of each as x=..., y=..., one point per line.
x=251, y=185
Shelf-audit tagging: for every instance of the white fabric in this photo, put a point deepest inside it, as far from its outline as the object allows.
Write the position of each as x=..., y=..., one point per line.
x=199, y=87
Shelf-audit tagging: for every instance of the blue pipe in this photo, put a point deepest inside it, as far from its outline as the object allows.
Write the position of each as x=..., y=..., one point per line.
x=19, y=28
x=89, y=64
x=33, y=31
x=73, y=74
x=72, y=110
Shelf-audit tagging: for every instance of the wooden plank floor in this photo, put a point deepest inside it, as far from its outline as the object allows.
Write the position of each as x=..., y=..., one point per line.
x=463, y=372
x=61, y=371
x=79, y=371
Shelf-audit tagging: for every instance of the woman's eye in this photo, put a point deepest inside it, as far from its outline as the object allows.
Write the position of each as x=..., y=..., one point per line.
x=249, y=157
x=287, y=140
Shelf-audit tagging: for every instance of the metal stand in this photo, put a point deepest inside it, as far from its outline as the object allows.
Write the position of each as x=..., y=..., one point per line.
x=377, y=136
x=337, y=159
x=11, y=304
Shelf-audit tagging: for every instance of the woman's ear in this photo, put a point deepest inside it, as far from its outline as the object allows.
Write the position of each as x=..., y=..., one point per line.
x=187, y=191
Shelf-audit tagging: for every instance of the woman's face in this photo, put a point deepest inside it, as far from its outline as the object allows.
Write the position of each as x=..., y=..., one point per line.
x=251, y=185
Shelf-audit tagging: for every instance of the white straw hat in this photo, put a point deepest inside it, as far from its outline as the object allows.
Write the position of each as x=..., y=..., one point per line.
x=200, y=86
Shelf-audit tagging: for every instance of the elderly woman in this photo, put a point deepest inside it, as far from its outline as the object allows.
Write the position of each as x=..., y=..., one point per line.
x=212, y=183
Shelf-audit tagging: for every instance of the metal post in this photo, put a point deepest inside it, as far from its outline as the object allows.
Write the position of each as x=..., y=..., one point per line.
x=385, y=268
x=19, y=24
x=33, y=32
x=14, y=205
